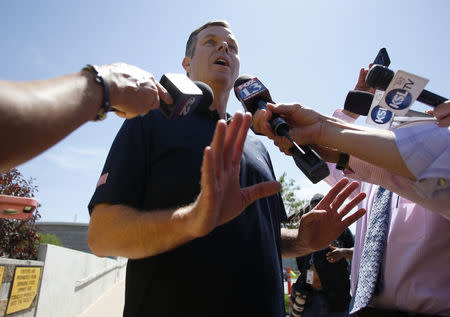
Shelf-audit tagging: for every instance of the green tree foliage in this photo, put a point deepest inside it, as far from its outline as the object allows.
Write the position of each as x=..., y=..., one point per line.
x=291, y=202
x=18, y=238
x=50, y=238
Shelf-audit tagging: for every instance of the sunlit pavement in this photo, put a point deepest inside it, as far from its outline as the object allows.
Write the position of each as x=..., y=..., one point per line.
x=109, y=304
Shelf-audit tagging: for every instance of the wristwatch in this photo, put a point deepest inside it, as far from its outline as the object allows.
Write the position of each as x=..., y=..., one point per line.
x=106, y=105
x=343, y=161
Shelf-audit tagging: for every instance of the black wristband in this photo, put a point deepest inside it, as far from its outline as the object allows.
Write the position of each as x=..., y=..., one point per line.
x=106, y=105
x=343, y=160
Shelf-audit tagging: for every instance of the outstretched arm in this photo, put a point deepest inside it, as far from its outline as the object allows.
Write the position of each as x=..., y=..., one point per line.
x=124, y=231
x=310, y=127
x=36, y=115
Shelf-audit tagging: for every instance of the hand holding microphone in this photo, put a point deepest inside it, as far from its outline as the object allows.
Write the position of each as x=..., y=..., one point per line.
x=255, y=96
x=379, y=77
x=442, y=114
x=187, y=95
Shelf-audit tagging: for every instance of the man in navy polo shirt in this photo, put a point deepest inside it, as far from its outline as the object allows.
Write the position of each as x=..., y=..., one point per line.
x=191, y=251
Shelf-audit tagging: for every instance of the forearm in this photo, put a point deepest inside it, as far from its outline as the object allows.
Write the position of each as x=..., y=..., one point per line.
x=39, y=114
x=403, y=186
x=118, y=230
x=375, y=146
x=290, y=246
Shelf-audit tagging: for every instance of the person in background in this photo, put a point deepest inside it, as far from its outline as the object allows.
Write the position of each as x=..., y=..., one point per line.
x=323, y=287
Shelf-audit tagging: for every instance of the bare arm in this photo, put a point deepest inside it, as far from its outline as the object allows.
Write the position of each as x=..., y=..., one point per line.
x=35, y=115
x=319, y=227
x=124, y=231
x=310, y=127
x=371, y=145
x=119, y=230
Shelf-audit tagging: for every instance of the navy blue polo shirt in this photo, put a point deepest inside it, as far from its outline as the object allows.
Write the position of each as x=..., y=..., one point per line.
x=154, y=163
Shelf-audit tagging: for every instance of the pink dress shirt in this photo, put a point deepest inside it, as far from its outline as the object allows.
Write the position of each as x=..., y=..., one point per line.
x=416, y=262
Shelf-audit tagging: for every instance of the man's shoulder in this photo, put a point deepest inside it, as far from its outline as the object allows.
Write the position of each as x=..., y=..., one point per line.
x=255, y=143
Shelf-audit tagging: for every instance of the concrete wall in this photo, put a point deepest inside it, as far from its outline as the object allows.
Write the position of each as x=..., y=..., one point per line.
x=73, y=280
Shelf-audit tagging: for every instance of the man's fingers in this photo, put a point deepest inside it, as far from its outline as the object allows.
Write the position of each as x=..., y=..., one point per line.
x=444, y=122
x=334, y=191
x=285, y=110
x=124, y=115
x=217, y=146
x=208, y=179
x=343, y=195
x=354, y=202
x=258, y=191
x=164, y=94
x=353, y=217
x=283, y=144
x=230, y=139
x=240, y=140
x=261, y=123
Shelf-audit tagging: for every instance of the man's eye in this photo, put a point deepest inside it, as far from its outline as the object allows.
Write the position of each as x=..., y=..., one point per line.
x=210, y=41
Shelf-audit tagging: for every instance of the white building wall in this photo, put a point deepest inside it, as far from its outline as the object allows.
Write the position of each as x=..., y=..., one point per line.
x=73, y=280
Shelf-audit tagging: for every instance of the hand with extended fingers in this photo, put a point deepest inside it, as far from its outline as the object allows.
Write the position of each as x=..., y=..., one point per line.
x=221, y=198
x=319, y=227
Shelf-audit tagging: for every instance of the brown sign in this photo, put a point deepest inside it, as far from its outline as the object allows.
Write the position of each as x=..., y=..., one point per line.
x=24, y=288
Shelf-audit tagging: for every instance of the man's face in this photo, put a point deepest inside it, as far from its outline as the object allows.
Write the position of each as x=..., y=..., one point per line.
x=216, y=59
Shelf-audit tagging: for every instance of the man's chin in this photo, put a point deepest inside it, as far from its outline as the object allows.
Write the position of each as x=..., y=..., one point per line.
x=219, y=81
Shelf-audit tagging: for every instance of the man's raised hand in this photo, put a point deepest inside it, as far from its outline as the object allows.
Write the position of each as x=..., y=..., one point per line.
x=221, y=198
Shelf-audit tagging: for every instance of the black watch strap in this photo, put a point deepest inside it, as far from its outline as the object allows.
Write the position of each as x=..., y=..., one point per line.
x=106, y=105
x=343, y=161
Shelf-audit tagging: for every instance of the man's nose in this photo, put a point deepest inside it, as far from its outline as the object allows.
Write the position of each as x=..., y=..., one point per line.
x=223, y=46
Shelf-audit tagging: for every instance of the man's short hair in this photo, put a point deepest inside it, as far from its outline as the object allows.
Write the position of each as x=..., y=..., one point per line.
x=190, y=45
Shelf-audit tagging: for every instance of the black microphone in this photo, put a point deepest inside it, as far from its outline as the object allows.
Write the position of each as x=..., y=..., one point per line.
x=208, y=95
x=358, y=102
x=186, y=94
x=254, y=96
x=380, y=76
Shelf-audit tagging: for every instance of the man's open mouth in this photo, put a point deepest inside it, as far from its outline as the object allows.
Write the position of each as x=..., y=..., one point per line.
x=222, y=61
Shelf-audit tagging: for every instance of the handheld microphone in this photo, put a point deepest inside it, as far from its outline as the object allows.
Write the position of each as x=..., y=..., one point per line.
x=254, y=96
x=186, y=94
x=208, y=95
x=380, y=76
x=358, y=102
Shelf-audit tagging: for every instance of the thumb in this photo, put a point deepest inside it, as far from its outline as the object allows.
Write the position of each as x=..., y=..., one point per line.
x=252, y=193
x=331, y=247
x=164, y=94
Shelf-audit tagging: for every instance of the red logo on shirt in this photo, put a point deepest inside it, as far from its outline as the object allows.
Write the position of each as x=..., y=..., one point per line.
x=102, y=179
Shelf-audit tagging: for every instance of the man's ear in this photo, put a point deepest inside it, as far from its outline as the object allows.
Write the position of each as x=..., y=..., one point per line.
x=187, y=64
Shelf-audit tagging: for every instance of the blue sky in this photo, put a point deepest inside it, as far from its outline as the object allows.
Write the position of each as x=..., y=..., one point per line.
x=304, y=51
